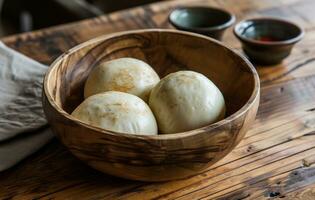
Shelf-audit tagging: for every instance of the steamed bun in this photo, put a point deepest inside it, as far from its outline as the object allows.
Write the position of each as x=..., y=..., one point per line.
x=117, y=111
x=186, y=100
x=125, y=75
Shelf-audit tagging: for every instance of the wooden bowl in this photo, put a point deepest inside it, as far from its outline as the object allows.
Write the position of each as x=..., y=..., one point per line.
x=159, y=157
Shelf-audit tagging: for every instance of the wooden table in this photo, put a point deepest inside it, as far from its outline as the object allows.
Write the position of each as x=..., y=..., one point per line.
x=275, y=160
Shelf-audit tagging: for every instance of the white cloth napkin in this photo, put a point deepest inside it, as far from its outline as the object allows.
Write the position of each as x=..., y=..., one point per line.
x=23, y=127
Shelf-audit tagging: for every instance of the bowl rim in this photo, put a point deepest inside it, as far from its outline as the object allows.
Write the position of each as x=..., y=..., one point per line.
x=290, y=41
x=249, y=103
x=222, y=26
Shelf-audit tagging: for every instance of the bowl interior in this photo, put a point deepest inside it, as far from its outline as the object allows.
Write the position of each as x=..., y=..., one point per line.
x=268, y=30
x=166, y=51
x=200, y=17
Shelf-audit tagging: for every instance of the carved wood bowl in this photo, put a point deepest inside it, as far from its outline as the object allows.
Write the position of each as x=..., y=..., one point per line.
x=159, y=157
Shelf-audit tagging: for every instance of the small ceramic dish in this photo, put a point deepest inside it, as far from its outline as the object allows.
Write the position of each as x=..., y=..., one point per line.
x=203, y=20
x=268, y=41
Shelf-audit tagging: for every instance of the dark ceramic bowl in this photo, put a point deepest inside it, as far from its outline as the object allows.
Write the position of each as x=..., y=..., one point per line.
x=203, y=20
x=267, y=41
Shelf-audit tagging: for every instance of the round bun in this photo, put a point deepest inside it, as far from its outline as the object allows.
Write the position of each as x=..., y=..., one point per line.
x=117, y=111
x=184, y=101
x=125, y=75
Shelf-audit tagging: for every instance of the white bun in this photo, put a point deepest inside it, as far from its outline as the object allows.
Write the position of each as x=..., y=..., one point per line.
x=184, y=101
x=117, y=111
x=125, y=75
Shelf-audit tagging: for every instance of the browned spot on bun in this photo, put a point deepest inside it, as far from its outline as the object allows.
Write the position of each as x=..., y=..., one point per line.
x=122, y=81
x=184, y=78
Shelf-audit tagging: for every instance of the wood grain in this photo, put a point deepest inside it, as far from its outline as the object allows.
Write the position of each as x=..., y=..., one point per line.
x=284, y=127
x=162, y=157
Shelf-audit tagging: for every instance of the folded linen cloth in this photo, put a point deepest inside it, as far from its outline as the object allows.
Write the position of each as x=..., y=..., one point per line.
x=22, y=122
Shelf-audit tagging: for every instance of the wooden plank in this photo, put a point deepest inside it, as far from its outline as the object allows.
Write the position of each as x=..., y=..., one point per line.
x=280, y=143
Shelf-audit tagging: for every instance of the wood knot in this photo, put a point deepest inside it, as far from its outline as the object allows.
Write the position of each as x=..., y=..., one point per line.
x=310, y=110
x=281, y=89
x=250, y=148
x=274, y=194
